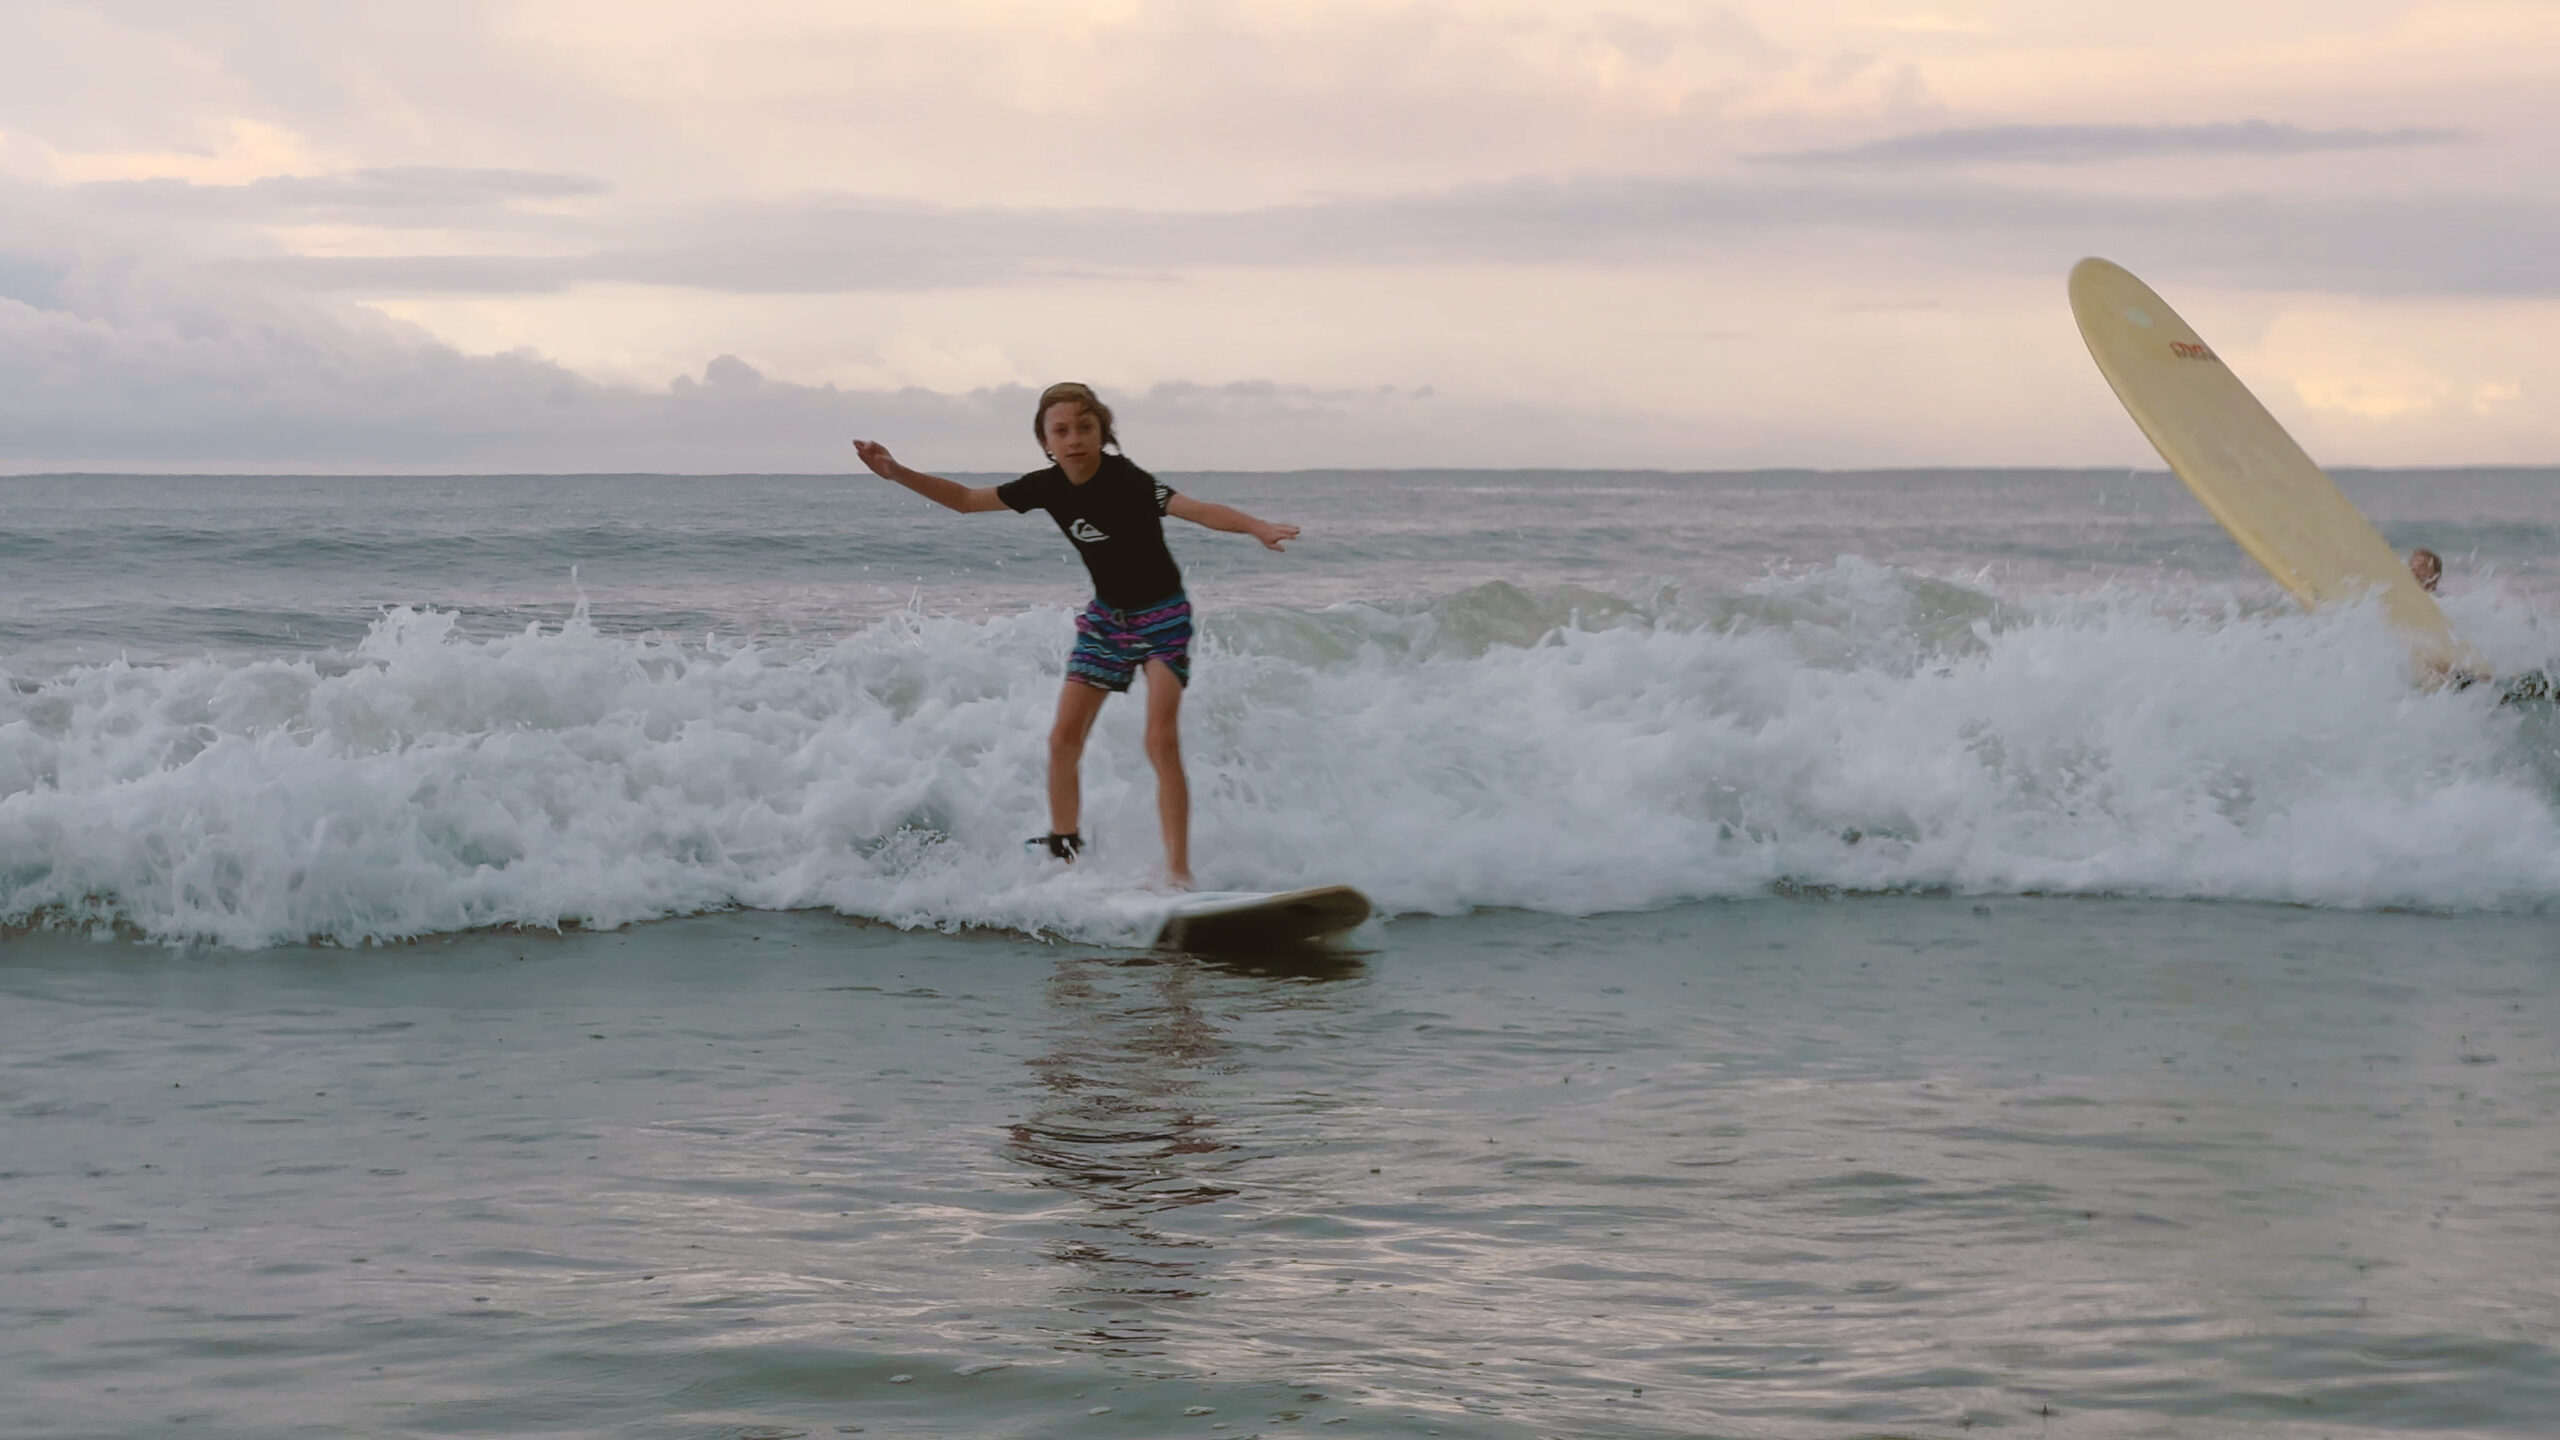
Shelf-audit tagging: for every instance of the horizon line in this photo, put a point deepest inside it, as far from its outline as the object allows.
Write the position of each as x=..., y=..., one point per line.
x=1932, y=468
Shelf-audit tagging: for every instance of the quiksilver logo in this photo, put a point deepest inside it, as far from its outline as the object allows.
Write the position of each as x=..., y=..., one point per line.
x=1084, y=530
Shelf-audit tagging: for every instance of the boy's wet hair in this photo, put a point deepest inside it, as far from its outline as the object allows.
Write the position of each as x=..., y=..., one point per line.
x=1071, y=392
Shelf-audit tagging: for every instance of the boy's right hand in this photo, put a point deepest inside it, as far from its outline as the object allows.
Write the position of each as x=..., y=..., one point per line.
x=877, y=456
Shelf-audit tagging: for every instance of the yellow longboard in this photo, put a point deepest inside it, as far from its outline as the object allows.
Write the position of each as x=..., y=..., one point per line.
x=2283, y=510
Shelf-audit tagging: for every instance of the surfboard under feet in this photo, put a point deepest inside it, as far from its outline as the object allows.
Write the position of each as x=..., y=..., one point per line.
x=1256, y=920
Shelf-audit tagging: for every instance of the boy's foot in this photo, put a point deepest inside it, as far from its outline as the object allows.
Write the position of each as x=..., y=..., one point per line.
x=1178, y=879
x=1058, y=847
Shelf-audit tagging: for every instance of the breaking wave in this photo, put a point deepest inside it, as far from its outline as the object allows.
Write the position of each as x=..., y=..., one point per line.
x=1561, y=750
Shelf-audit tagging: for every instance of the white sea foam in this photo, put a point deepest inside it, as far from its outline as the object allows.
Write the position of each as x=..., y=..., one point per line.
x=1568, y=752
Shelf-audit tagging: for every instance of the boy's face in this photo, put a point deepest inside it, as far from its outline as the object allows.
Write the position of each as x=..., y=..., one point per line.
x=1070, y=433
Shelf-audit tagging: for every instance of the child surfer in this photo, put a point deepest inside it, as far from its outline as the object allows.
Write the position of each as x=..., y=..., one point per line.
x=1139, y=619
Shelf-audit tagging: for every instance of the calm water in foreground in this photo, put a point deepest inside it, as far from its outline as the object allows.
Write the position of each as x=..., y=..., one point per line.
x=1785, y=1167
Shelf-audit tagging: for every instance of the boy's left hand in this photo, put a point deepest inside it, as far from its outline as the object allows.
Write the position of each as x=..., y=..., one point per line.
x=1273, y=536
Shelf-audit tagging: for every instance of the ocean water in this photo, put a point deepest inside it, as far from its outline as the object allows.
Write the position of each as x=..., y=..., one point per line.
x=1907, y=954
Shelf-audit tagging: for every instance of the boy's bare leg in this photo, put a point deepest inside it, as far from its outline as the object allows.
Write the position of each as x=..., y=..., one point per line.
x=1164, y=751
x=1078, y=705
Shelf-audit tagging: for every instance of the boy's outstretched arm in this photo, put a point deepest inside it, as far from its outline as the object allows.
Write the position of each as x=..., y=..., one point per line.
x=1229, y=518
x=967, y=499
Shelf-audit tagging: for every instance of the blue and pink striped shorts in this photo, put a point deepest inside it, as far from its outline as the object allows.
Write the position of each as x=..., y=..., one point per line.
x=1112, y=644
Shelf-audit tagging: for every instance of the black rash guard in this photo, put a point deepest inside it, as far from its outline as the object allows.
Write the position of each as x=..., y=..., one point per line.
x=1116, y=520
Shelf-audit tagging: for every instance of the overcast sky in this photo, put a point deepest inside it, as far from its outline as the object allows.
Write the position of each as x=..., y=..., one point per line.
x=616, y=234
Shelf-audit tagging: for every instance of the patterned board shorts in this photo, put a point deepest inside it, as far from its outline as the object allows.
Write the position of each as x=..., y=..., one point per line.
x=1112, y=644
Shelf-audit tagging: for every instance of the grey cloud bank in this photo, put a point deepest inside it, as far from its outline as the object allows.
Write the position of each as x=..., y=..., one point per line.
x=2088, y=144
x=381, y=195
x=109, y=362
x=282, y=402
x=140, y=325
x=2469, y=245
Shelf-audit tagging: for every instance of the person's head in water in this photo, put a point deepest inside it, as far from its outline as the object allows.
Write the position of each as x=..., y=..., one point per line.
x=1072, y=424
x=2428, y=566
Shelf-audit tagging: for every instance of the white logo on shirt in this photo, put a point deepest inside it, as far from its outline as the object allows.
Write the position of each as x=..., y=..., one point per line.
x=1083, y=530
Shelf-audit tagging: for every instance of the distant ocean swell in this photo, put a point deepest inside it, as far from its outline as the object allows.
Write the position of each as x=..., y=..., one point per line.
x=1568, y=751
